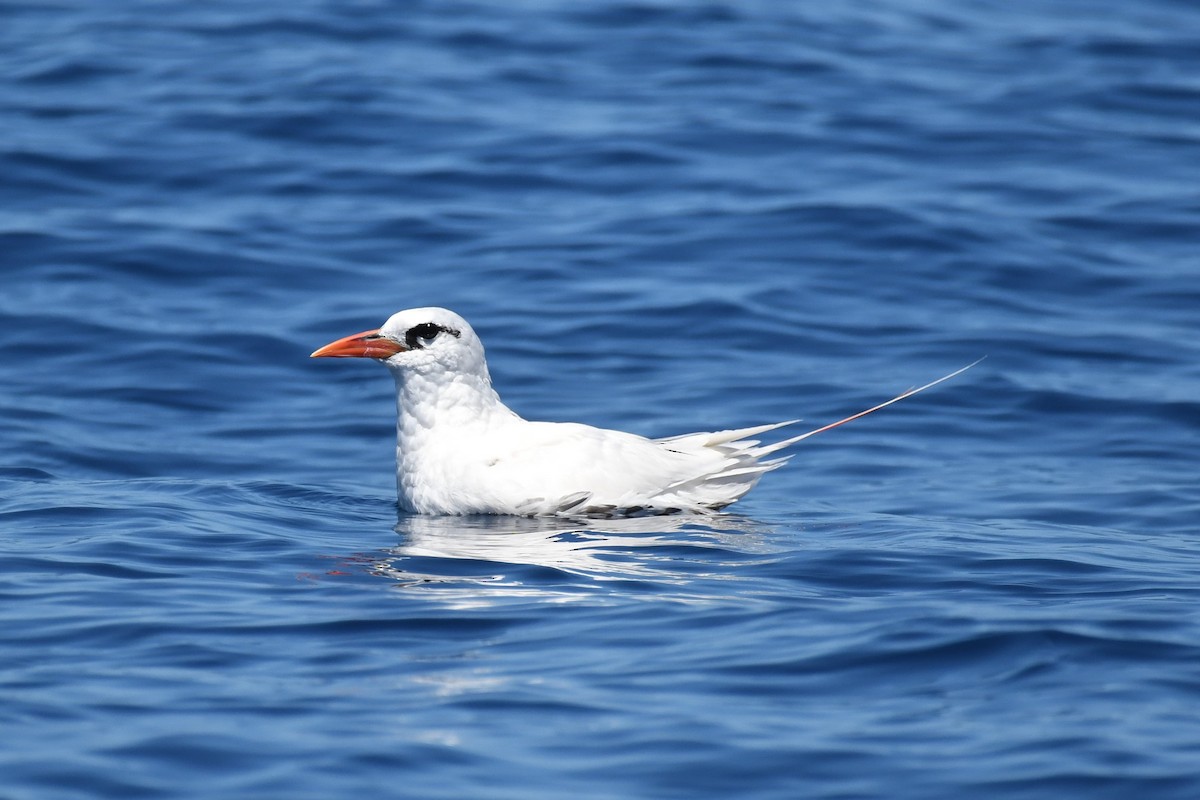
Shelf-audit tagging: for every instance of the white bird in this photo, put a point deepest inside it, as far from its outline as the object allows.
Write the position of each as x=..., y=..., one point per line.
x=460, y=450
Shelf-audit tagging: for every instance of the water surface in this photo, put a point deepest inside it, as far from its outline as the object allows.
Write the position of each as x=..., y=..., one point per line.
x=661, y=217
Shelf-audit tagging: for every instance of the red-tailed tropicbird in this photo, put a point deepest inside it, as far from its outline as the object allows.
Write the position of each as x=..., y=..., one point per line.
x=460, y=450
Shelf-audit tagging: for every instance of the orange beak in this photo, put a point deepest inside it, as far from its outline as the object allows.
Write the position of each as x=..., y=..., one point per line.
x=368, y=344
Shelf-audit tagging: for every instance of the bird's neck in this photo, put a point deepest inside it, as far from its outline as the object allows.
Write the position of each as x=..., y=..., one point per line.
x=438, y=420
x=432, y=401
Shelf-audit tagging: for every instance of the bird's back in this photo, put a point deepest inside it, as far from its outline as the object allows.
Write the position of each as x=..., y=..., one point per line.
x=541, y=468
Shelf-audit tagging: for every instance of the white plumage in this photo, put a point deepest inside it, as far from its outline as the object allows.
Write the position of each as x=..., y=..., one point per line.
x=460, y=450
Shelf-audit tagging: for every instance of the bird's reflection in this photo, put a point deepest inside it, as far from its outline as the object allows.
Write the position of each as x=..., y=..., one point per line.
x=490, y=556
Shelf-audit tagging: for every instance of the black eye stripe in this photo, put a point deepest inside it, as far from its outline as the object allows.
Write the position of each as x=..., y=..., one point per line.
x=426, y=331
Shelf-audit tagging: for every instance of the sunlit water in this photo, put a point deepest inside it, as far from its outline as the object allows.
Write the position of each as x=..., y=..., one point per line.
x=661, y=217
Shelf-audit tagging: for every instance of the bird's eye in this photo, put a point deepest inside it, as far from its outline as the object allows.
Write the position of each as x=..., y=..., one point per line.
x=419, y=335
x=427, y=330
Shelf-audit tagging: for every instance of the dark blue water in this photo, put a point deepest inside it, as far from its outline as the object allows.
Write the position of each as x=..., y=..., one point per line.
x=661, y=217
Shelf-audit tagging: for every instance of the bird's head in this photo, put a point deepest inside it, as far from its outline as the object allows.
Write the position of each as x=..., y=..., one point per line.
x=432, y=341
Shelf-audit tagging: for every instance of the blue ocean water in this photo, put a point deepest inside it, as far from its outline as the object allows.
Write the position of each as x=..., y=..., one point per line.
x=661, y=217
